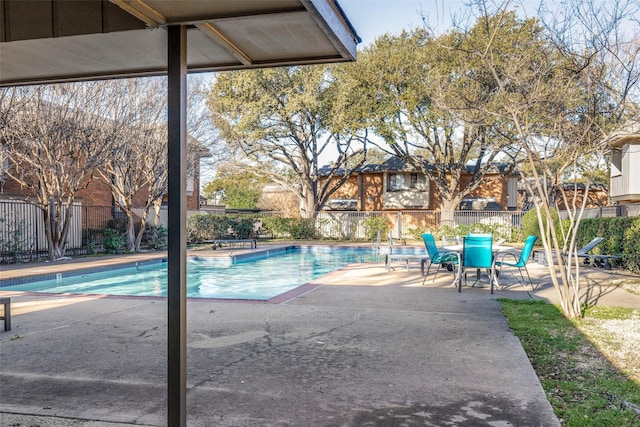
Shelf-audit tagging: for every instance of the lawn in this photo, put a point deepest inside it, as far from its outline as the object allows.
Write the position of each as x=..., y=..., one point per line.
x=589, y=367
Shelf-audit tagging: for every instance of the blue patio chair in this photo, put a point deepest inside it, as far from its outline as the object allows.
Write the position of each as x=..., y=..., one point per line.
x=436, y=256
x=480, y=235
x=477, y=252
x=520, y=263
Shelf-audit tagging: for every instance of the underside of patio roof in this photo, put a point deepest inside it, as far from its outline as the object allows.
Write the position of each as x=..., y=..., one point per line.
x=43, y=41
x=47, y=41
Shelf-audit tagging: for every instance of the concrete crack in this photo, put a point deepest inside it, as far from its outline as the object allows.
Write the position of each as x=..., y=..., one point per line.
x=271, y=346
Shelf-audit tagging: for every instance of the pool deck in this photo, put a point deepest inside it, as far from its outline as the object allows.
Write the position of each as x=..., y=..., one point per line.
x=365, y=346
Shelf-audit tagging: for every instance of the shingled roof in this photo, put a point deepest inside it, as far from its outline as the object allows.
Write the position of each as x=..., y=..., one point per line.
x=397, y=164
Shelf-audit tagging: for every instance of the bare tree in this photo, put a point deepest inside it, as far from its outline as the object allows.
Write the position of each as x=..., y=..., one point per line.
x=139, y=108
x=565, y=90
x=210, y=145
x=135, y=167
x=53, y=142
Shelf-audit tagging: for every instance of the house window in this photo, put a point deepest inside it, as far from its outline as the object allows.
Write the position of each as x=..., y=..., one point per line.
x=396, y=182
x=413, y=181
x=190, y=185
x=403, y=182
x=616, y=162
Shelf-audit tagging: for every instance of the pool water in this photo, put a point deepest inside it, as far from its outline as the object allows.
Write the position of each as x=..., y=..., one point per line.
x=259, y=277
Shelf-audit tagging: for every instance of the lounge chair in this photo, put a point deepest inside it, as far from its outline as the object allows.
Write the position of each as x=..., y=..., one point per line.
x=598, y=260
x=6, y=302
x=406, y=258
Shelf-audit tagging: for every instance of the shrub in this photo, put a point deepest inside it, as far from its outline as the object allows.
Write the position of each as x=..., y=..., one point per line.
x=114, y=241
x=417, y=232
x=296, y=228
x=303, y=228
x=14, y=239
x=631, y=246
x=201, y=227
x=621, y=237
x=242, y=228
x=274, y=225
x=531, y=227
x=374, y=224
x=155, y=237
x=118, y=224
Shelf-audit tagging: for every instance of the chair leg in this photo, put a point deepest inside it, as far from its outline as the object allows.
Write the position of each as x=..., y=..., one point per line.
x=436, y=275
x=496, y=277
x=427, y=274
x=492, y=273
x=529, y=277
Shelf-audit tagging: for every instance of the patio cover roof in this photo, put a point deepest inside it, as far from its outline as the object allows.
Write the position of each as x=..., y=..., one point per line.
x=44, y=41
x=628, y=134
x=47, y=41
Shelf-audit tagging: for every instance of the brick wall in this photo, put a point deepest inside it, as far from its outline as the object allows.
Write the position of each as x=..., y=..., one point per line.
x=96, y=193
x=373, y=184
x=370, y=198
x=494, y=187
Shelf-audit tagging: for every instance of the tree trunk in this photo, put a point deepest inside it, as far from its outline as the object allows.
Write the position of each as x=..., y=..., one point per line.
x=156, y=208
x=308, y=203
x=143, y=223
x=447, y=209
x=131, y=232
x=56, y=229
x=46, y=214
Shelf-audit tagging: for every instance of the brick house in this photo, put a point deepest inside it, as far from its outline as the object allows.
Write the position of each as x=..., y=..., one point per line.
x=97, y=193
x=395, y=185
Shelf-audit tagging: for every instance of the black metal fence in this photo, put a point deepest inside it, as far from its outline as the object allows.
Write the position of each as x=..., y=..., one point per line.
x=23, y=236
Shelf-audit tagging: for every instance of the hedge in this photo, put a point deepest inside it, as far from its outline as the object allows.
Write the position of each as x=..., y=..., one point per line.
x=621, y=237
x=201, y=227
x=296, y=228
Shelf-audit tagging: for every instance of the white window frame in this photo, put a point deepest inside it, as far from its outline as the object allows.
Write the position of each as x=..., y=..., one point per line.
x=395, y=182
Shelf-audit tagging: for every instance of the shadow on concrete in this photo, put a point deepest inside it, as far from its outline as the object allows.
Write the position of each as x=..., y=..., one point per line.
x=365, y=346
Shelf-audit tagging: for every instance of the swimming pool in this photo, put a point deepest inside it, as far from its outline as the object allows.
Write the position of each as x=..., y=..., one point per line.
x=258, y=276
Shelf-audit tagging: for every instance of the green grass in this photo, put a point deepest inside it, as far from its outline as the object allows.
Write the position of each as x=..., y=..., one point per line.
x=583, y=386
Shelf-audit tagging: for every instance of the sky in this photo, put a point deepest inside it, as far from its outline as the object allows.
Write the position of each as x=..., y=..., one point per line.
x=373, y=18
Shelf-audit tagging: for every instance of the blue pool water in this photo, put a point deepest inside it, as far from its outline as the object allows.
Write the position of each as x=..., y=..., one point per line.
x=258, y=277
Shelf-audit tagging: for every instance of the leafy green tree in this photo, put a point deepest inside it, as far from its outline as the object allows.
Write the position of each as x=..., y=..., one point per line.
x=280, y=120
x=427, y=98
x=239, y=188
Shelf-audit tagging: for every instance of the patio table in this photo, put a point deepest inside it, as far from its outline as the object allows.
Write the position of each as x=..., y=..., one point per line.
x=458, y=249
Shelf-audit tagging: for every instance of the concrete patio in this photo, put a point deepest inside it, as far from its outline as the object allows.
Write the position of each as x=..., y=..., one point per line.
x=366, y=347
